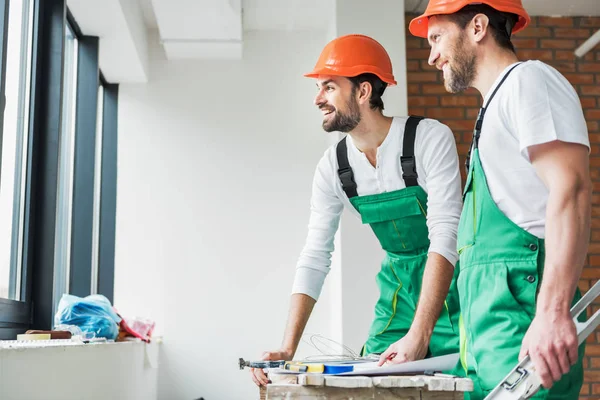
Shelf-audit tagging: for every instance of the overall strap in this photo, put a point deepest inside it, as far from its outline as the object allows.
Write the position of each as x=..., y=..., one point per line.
x=344, y=171
x=479, y=123
x=407, y=160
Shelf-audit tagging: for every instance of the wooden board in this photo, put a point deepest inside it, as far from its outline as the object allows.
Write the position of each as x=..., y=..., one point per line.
x=324, y=387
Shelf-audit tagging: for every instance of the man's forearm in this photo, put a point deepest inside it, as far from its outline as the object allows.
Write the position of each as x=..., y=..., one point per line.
x=437, y=277
x=301, y=307
x=567, y=238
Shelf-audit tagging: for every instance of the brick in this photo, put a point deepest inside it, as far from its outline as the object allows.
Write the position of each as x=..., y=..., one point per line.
x=469, y=101
x=594, y=248
x=460, y=125
x=416, y=111
x=585, y=389
x=563, y=22
x=596, y=388
x=591, y=375
x=595, y=234
x=412, y=66
x=413, y=88
x=420, y=101
x=463, y=148
x=589, y=90
x=594, y=362
x=525, y=43
x=588, y=102
x=437, y=88
x=417, y=54
x=589, y=57
x=446, y=112
x=417, y=77
x=594, y=126
x=565, y=67
x=590, y=273
x=566, y=33
x=531, y=31
x=564, y=55
x=593, y=350
x=544, y=55
x=426, y=67
x=472, y=114
x=589, y=22
x=414, y=43
x=588, y=67
x=575, y=79
x=583, y=286
x=592, y=114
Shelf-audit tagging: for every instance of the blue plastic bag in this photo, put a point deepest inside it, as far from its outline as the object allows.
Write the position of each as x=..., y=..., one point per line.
x=92, y=314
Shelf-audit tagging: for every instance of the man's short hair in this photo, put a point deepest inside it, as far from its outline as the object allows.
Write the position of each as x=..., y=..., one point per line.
x=378, y=87
x=501, y=23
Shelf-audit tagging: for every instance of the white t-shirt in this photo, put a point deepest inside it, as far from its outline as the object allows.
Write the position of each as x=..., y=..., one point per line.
x=534, y=105
x=438, y=174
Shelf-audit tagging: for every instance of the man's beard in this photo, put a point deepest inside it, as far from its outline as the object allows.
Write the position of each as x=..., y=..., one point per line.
x=344, y=122
x=462, y=72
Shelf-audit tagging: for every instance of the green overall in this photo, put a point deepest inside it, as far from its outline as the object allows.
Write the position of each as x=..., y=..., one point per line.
x=398, y=219
x=501, y=266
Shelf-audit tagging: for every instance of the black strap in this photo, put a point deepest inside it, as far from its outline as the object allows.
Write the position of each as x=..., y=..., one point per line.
x=344, y=171
x=479, y=123
x=407, y=160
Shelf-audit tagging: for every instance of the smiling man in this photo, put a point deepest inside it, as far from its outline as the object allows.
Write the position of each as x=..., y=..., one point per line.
x=401, y=176
x=525, y=225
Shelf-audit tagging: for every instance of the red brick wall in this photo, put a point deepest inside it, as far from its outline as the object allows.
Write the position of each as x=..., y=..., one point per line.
x=553, y=41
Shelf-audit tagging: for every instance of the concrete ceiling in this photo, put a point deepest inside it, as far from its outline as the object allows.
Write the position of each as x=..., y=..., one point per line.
x=199, y=29
x=537, y=7
x=214, y=28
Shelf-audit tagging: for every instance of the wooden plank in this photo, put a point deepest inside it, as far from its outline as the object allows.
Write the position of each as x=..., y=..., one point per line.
x=297, y=392
x=464, y=385
x=262, y=393
x=399, y=381
x=349, y=382
x=311, y=380
x=439, y=384
x=283, y=378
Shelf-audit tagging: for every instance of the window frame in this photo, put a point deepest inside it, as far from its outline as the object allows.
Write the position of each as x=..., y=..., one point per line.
x=35, y=309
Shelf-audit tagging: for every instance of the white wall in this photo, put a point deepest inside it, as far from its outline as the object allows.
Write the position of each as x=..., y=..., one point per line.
x=90, y=372
x=215, y=168
x=361, y=253
x=216, y=160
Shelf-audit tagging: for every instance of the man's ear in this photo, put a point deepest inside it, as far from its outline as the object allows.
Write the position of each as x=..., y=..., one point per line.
x=364, y=92
x=478, y=27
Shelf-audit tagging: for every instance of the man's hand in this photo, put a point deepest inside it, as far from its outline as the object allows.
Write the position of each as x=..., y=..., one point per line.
x=258, y=375
x=551, y=342
x=411, y=347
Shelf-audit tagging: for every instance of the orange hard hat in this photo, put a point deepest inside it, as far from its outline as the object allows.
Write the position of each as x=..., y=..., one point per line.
x=352, y=55
x=418, y=26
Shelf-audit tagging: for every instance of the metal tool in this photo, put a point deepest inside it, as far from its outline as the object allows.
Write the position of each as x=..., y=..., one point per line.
x=523, y=382
x=261, y=364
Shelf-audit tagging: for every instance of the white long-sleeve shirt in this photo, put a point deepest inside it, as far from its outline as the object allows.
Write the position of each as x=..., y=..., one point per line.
x=438, y=174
